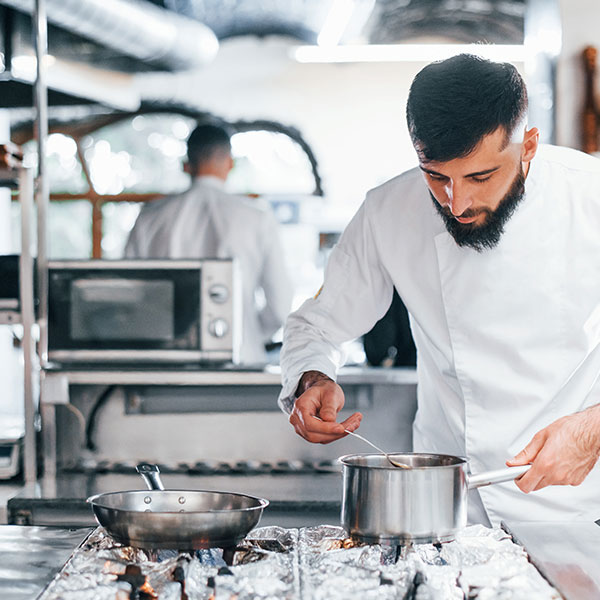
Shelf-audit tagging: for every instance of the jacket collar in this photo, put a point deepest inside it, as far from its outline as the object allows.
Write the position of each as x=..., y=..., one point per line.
x=210, y=181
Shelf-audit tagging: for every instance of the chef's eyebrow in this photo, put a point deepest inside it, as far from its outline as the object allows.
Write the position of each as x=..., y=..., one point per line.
x=475, y=174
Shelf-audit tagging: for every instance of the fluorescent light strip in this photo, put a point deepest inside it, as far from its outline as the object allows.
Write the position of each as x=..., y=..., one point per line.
x=406, y=52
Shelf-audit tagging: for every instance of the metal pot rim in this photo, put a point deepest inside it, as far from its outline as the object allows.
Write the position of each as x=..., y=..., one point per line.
x=346, y=460
x=96, y=500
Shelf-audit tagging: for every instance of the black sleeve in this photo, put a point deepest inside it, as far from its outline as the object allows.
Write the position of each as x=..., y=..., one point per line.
x=391, y=337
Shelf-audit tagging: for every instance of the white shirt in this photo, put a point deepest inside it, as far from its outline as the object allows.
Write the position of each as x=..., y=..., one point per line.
x=498, y=333
x=207, y=222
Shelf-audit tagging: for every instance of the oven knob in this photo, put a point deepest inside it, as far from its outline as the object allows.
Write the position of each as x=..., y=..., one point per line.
x=218, y=327
x=218, y=293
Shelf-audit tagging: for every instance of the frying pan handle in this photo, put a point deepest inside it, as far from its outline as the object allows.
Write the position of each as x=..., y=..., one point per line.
x=499, y=476
x=151, y=475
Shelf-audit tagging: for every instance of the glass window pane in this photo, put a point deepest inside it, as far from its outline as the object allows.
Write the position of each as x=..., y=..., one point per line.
x=141, y=154
x=268, y=162
x=65, y=174
x=69, y=229
x=117, y=220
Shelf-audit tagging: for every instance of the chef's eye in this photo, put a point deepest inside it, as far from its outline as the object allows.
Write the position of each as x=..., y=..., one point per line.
x=436, y=177
x=481, y=179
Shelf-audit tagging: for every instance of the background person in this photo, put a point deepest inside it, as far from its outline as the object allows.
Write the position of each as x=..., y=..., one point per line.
x=208, y=222
x=493, y=245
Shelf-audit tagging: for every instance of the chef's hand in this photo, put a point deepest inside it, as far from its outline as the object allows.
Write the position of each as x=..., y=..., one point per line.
x=562, y=453
x=319, y=399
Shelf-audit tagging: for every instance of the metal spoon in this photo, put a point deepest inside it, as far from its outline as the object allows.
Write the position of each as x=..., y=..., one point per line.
x=386, y=454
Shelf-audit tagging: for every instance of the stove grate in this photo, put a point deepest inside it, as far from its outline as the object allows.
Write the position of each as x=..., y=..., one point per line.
x=305, y=564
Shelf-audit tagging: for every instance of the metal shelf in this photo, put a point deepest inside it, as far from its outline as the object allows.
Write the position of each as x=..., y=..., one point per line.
x=10, y=317
x=21, y=310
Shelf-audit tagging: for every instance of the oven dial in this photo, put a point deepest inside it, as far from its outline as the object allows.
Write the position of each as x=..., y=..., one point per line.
x=218, y=328
x=218, y=293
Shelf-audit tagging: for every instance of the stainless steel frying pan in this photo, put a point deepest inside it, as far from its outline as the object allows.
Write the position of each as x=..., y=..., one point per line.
x=179, y=519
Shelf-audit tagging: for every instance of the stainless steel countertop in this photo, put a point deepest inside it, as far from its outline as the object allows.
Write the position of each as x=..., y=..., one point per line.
x=30, y=557
x=102, y=375
x=567, y=554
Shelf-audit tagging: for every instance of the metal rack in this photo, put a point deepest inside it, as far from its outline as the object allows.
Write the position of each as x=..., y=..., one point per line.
x=22, y=312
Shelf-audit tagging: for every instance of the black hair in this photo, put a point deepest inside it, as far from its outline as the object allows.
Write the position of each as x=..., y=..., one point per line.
x=205, y=141
x=453, y=104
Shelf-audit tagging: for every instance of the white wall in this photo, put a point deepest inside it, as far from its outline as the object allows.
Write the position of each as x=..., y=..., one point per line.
x=351, y=114
x=581, y=27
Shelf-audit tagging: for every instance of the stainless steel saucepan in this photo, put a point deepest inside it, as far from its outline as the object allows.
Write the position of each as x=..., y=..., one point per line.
x=423, y=504
x=178, y=519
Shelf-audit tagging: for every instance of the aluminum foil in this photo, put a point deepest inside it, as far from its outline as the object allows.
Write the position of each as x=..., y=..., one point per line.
x=315, y=563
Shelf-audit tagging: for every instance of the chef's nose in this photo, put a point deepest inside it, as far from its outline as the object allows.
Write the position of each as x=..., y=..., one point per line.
x=459, y=198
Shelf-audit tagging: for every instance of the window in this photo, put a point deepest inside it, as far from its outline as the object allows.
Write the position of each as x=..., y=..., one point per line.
x=99, y=179
x=269, y=162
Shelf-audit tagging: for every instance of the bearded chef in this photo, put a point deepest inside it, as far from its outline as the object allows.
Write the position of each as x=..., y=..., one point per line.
x=493, y=244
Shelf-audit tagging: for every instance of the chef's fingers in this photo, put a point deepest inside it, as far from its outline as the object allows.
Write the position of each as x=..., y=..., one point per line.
x=535, y=483
x=316, y=424
x=306, y=421
x=310, y=436
x=529, y=482
x=328, y=413
x=352, y=423
x=331, y=400
x=542, y=483
x=315, y=412
x=314, y=429
x=528, y=454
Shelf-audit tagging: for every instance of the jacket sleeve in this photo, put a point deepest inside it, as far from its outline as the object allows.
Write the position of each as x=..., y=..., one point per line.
x=138, y=242
x=275, y=280
x=132, y=247
x=356, y=293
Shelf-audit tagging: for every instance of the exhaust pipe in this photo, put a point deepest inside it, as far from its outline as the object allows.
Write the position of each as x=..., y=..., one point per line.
x=135, y=27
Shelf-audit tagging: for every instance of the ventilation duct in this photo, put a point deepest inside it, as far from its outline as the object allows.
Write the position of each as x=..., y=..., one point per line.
x=134, y=27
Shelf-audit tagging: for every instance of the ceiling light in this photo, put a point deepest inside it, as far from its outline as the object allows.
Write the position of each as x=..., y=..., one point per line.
x=24, y=66
x=406, y=52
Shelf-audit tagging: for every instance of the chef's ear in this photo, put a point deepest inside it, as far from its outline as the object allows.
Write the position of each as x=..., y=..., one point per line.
x=530, y=143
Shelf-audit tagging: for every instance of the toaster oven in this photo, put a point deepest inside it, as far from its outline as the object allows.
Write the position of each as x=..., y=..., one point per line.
x=143, y=311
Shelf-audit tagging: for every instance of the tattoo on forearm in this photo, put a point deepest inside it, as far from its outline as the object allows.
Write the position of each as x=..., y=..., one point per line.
x=309, y=379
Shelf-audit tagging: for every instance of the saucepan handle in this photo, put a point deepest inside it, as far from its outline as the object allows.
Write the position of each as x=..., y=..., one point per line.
x=151, y=475
x=498, y=476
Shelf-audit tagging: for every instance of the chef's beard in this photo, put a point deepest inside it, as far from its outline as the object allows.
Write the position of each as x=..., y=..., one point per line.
x=488, y=234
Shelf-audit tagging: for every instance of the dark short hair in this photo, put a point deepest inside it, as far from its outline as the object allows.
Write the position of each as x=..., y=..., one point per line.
x=205, y=141
x=453, y=104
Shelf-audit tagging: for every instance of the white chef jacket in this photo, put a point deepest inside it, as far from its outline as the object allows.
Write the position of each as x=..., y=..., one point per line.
x=207, y=222
x=498, y=333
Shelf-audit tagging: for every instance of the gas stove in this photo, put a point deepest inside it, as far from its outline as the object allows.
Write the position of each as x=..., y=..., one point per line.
x=307, y=563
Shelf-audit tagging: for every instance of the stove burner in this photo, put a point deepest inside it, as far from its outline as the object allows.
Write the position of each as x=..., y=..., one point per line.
x=141, y=590
x=179, y=576
x=301, y=564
